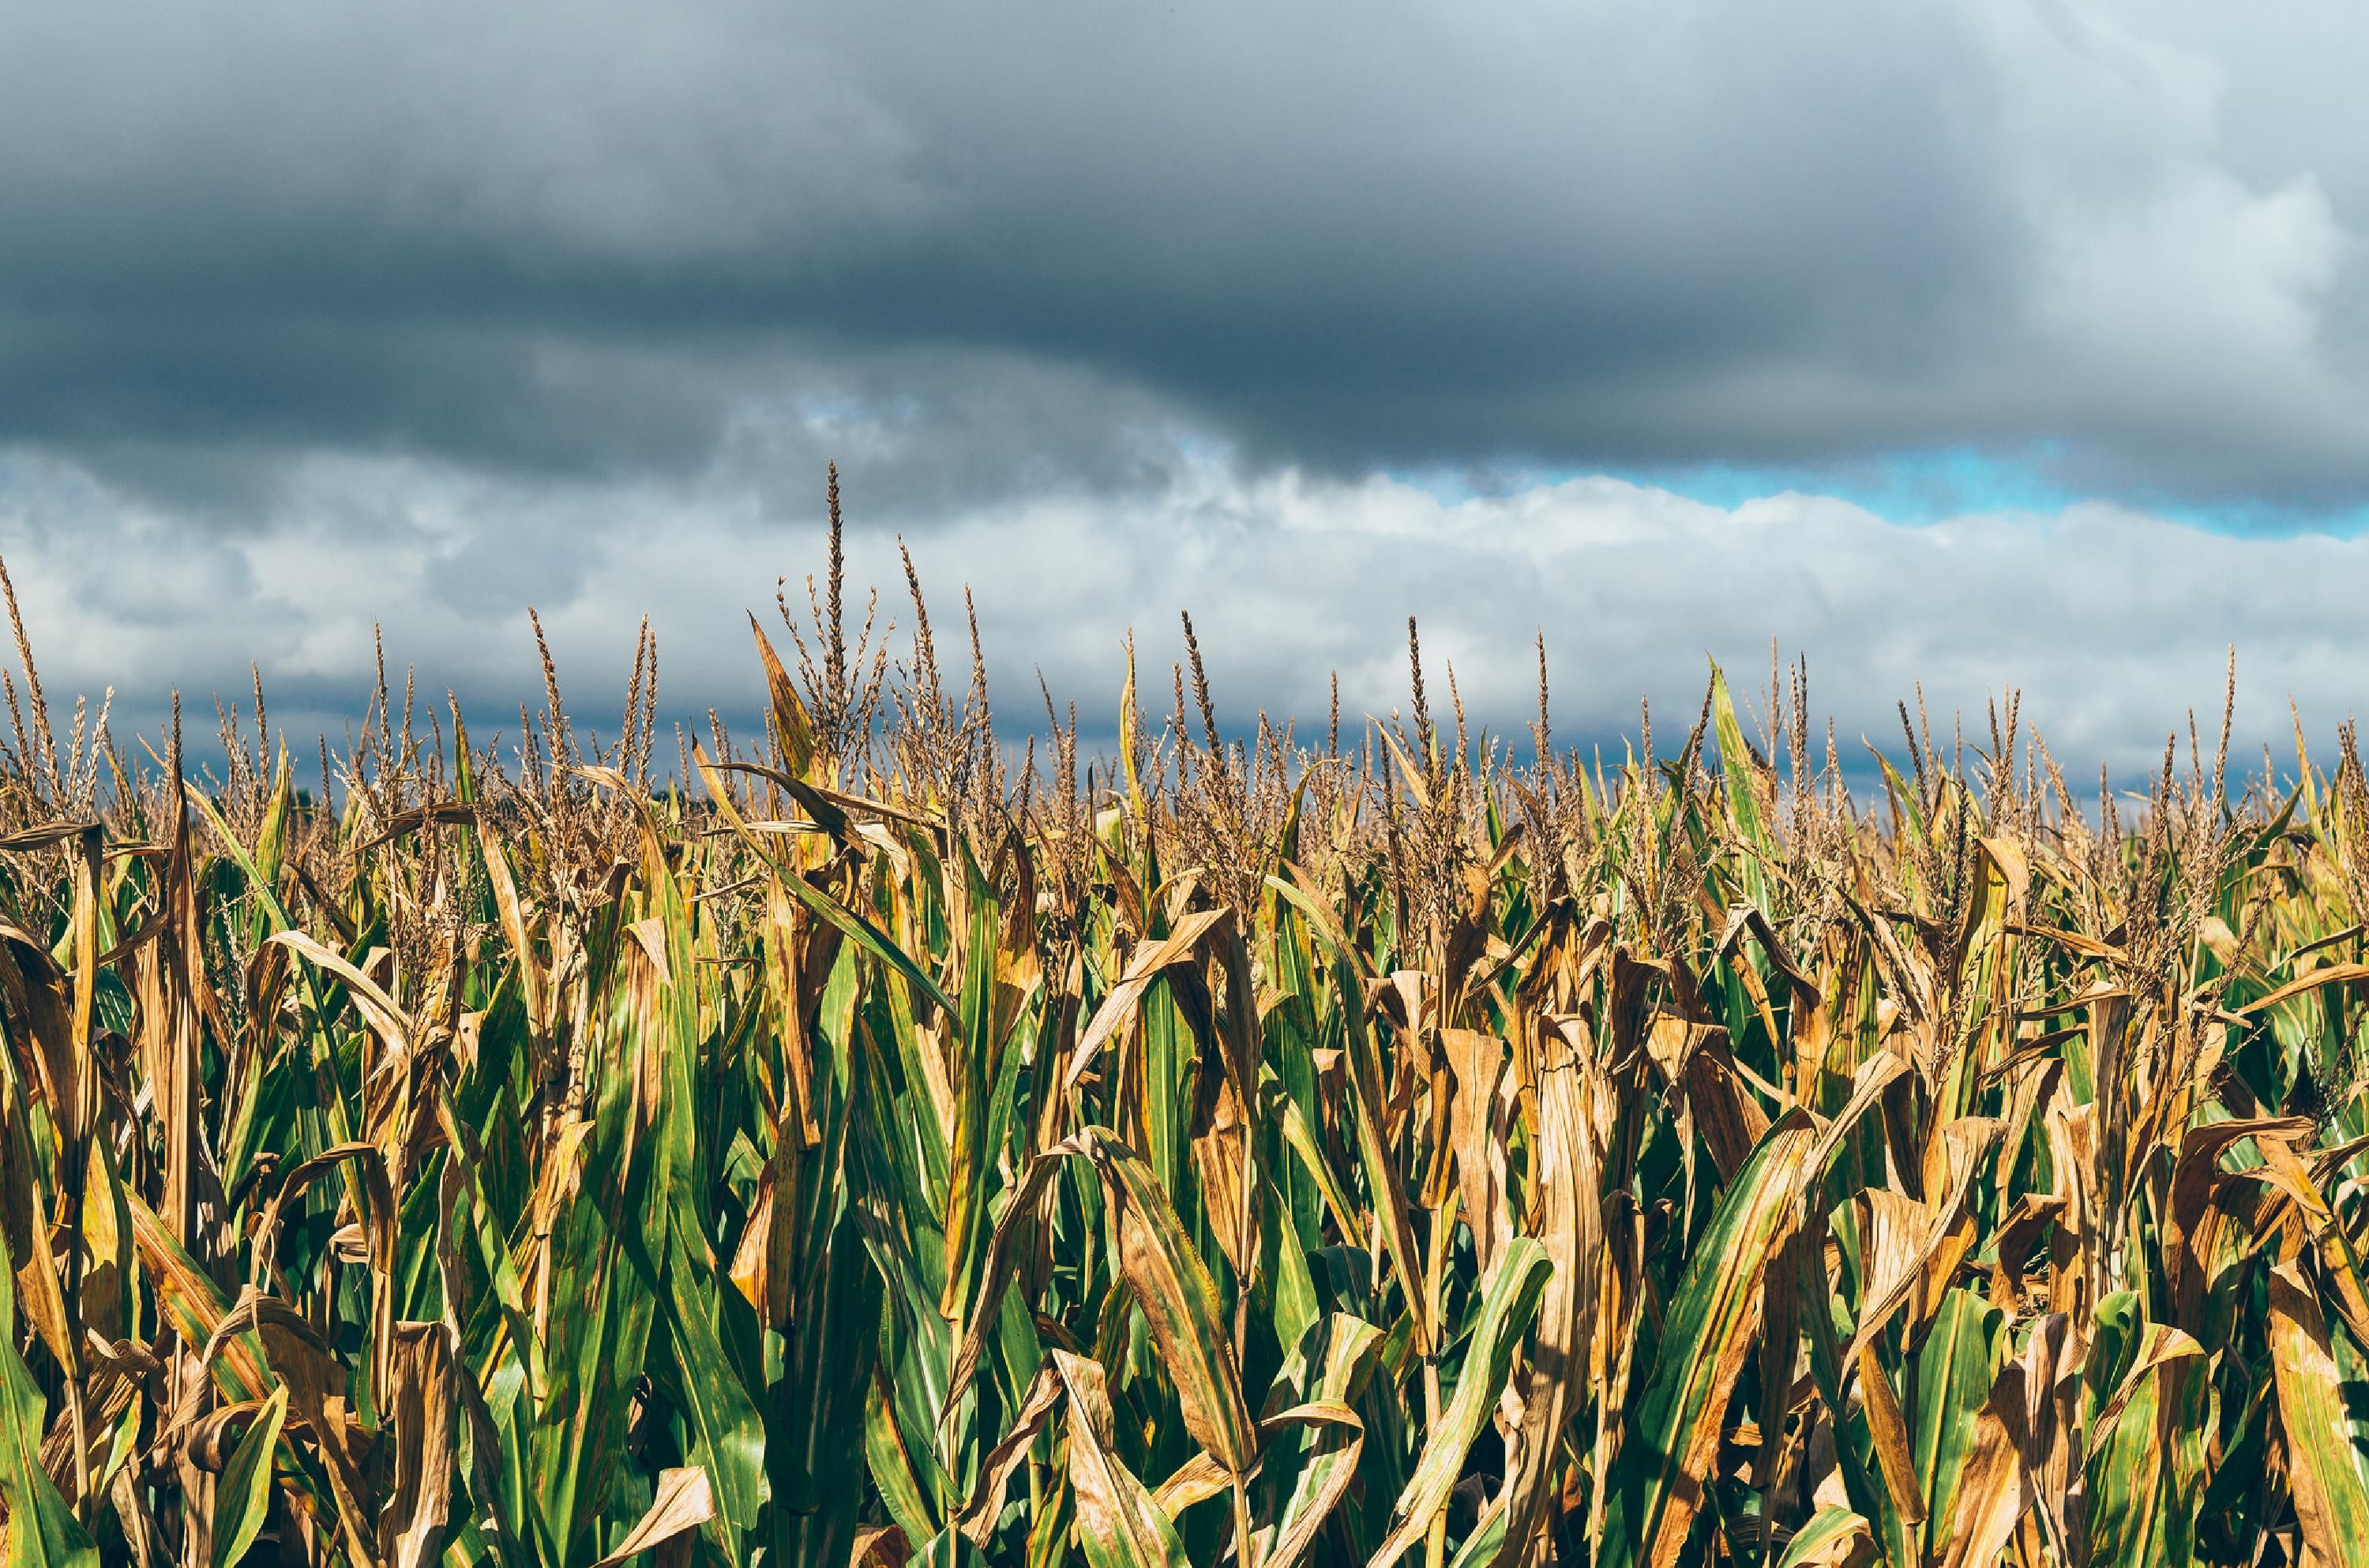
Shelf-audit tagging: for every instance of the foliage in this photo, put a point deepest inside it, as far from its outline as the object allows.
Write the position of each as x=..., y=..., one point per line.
x=866, y=1146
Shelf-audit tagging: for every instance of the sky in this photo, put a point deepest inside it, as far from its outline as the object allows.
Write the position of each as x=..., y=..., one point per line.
x=1979, y=345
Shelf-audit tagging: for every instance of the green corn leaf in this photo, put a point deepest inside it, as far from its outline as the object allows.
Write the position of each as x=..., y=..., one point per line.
x=1706, y=1335
x=43, y=1531
x=194, y=1307
x=243, y=1494
x=791, y=725
x=1313, y=1467
x=594, y=1362
x=892, y=1468
x=2146, y=1467
x=1507, y=1304
x=1118, y=1523
x=1835, y=1538
x=815, y=1415
x=971, y=1156
x=1180, y=1306
x=2326, y=1470
x=1487, y=1541
x=1383, y=1182
x=865, y=935
x=1735, y=766
x=730, y=1435
x=1953, y=1381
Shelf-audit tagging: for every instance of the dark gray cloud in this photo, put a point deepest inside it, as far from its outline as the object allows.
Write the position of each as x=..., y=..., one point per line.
x=584, y=239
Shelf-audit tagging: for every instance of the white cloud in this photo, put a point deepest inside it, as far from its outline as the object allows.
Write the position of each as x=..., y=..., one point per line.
x=2113, y=622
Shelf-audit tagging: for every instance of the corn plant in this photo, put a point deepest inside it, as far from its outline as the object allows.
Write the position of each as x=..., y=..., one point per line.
x=867, y=1141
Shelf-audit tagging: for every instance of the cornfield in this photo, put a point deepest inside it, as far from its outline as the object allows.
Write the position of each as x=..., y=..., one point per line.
x=872, y=1141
